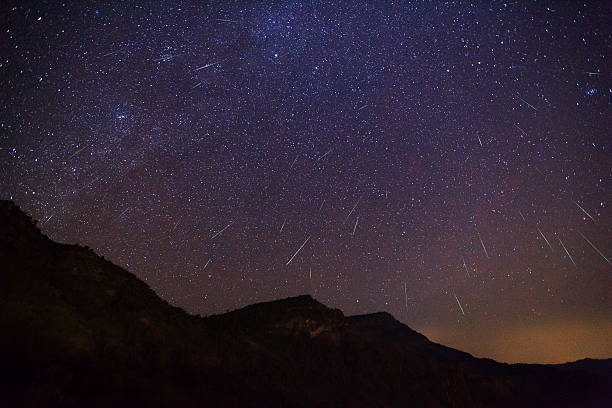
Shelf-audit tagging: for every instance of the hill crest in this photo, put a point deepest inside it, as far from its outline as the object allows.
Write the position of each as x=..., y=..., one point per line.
x=79, y=330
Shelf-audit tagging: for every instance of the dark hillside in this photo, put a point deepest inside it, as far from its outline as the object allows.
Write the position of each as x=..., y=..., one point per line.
x=80, y=331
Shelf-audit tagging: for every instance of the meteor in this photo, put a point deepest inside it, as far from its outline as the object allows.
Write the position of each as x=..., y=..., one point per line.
x=121, y=215
x=595, y=248
x=175, y=225
x=528, y=104
x=538, y=170
x=465, y=266
x=296, y=157
x=522, y=131
x=566, y=251
x=328, y=152
x=459, y=304
x=47, y=220
x=208, y=65
x=299, y=249
x=219, y=233
x=483, y=245
x=584, y=211
x=352, y=209
x=551, y=248
x=406, y=296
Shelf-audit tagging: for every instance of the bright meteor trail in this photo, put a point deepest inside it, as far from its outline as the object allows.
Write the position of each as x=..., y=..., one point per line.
x=296, y=252
x=542, y=234
x=595, y=248
x=459, y=305
x=584, y=211
x=483, y=245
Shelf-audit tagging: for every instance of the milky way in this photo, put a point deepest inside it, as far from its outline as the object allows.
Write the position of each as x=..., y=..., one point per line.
x=450, y=164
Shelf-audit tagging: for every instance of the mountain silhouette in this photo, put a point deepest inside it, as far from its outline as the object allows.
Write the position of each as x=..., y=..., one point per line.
x=79, y=331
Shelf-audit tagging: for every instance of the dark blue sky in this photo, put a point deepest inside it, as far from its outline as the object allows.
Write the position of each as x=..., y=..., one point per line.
x=448, y=163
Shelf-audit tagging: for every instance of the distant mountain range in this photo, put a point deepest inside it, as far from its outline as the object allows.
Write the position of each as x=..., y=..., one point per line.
x=78, y=331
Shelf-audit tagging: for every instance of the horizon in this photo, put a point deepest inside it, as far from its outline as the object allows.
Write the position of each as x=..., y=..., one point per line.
x=513, y=344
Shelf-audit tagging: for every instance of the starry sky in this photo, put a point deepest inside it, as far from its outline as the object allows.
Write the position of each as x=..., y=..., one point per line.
x=448, y=163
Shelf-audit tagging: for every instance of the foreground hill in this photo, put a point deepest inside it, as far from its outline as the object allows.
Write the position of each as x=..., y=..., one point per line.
x=80, y=331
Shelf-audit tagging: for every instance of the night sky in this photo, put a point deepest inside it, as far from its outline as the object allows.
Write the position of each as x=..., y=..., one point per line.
x=450, y=164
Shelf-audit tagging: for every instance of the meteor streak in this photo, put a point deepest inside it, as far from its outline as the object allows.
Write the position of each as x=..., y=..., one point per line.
x=538, y=170
x=175, y=225
x=459, y=304
x=219, y=233
x=483, y=245
x=527, y=103
x=551, y=248
x=79, y=151
x=406, y=296
x=595, y=248
x=121, y=215
x=566, y=251
x=584, y=211
x=208, y=65
x=522, y=131
x=329, y=151
x=294, y=160
x=465, y=266
x=299, y=249
x=47, y=220
x=352, y=209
